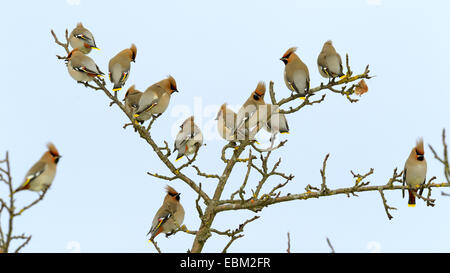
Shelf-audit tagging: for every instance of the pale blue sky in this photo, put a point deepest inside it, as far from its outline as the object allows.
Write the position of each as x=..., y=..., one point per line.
x=102, y=198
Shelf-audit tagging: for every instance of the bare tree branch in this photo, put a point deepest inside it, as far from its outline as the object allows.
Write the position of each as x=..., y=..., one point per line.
x=230, y=156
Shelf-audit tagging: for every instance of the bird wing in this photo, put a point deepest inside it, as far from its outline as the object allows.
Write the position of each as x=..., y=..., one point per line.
x=86, y=36
x=35, y=171
x=160, y=218
x=148, y=100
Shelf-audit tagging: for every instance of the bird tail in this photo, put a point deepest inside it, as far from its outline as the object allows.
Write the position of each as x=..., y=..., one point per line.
x=412, y=198
x=179, y=156
x=117, y=87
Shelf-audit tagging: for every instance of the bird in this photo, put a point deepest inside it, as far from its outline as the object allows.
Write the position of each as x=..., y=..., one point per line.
x=155, y=99
x=296, y=73
x=169, y=216
x=277, y=123
x=131, y=99
x=269, y=117
x=119, y=66
x=329, y=62
x=250, y=107
x=82, y=38
x=415, y=171
x=42, y=173
x=226, y=123
x=82, y=68
x=189, y=139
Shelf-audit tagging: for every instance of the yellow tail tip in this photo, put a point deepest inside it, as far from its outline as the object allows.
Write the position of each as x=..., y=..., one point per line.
x=302, y=98
x=95, y=48
x=117, y=89
x=136, y=115
x=343, y=77
x=178, y=158
x=285, y=133
x=411, y=205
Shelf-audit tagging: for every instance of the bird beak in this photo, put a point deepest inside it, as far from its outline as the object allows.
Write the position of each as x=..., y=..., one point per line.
x=178, y=194
x=175, y=90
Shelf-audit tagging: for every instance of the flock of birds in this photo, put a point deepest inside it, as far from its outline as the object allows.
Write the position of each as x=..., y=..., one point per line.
x=231, y=126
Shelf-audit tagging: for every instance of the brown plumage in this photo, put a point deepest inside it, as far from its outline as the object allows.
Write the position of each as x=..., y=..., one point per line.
x=81, y=67
x=82, y=39
x=415, y=171
x=119, y=67
x=131, y=99
x=155, y=99
x=170, y=215
x=296, y=73
x=250, y=106
x=329, y=61
x=41, y=174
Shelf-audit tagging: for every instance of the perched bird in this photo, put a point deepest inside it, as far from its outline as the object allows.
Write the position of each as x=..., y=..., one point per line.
x=415, y=171
x=250, y=107
x=119, y=66
x=155, y=99
x=277, y=123
x=329, y=62
x=131, y=99
x=226, y=123
x=189, y=139
x=271, y=120
x=81, y=67
x=42, y=173
x=296, y=73
x=82, y=39
x=169, y=216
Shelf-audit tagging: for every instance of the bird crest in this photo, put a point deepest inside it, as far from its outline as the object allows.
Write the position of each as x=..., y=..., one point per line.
x=419, y=147
x=171, y=191
x=133, y=52
x=129, y=91
x=260, y=88
x=289, y=52
x=173, y=84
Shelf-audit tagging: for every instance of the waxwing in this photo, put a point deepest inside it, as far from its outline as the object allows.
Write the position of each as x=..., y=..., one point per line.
x=329, y=62
x=82, y=68
x=155, y=99
x=269, y=117
x=250, y=106
x=226, y=123
x=189, y=139
x=82, y=39
x=296, y=73
x=119, y=67
x=415, y=171
x=170, y=215
x=131, y=100
x=42, y=173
